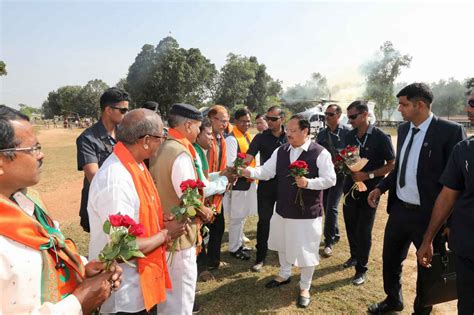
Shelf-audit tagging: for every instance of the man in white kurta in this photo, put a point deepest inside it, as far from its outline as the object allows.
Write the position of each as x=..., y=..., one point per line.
x=241, y=201
x=297, y=239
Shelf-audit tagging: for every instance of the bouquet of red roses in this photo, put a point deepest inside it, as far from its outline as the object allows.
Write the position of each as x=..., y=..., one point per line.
x=190, y=204
x=122, y=231
x=299, y=168
x=354, y=163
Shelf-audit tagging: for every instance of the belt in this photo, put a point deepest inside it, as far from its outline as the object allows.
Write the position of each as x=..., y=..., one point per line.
x=410, y=206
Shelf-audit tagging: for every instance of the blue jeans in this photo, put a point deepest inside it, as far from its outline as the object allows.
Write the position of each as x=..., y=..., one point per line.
x=331, y=198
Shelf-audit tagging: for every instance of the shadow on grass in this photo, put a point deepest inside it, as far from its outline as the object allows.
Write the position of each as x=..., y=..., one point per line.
x=247, y=296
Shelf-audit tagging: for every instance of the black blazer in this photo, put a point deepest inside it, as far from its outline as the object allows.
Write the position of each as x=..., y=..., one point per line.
x=439, y=141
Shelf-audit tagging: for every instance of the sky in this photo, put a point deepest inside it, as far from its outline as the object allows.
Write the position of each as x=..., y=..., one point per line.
x=46, y=44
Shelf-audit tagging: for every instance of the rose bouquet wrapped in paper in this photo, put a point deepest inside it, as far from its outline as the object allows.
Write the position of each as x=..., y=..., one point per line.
x=354, y=163
x=122, y=247
x=299, y=168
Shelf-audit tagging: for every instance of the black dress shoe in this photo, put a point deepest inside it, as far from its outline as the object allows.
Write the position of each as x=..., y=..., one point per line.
x=351, y=262
x=245, y=249
x=385, y=307
x=273, y=283
x=303, y=301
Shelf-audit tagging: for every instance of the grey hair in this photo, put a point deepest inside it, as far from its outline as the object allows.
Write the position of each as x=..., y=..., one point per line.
x=138, y=123
x=175, y=120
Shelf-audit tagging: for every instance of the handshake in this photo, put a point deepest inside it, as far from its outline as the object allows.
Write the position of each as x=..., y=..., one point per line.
x=233, y=173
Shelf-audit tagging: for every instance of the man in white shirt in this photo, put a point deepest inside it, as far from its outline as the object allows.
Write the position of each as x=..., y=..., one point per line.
x=40, y=271
x=295, y=230
x=116, y=189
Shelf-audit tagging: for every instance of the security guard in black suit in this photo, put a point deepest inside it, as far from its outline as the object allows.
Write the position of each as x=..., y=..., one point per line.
x=424, y=145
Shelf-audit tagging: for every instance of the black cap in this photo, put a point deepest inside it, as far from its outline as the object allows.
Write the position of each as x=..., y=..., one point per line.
x=186, y=111
x=151, y=106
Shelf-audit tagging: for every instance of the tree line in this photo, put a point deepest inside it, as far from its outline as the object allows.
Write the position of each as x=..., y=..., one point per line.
x=167, y=73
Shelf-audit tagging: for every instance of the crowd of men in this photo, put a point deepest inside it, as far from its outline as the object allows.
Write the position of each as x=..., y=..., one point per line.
x=132, y=164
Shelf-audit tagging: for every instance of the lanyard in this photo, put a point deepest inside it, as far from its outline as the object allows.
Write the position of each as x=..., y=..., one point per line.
x=362, y=144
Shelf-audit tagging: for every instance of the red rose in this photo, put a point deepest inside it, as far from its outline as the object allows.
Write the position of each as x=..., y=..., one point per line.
x=115, y=219
x=127, y=221
x=351, y=149
x=344, y=152
x=200, y=184
x=241, y=156
x=190, y=183
x=136, y=229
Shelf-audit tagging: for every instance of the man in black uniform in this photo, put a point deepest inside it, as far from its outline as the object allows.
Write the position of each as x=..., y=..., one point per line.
x=457, y=197
x=424, y=145
x=333, y=139
x=265, y=143
x=359, y=216
x=96, y=143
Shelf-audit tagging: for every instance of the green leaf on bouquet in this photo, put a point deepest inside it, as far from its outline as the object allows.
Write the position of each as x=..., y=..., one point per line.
x=137, y=253
x=106, y=227
x=127, y=262
x=191, y=211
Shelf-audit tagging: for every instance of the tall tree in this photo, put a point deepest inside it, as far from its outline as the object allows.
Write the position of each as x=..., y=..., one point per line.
x=87, y=102
x=381, y=74
x=169, y=74
x=469, y=83
x=237, y=76
x=3, y=68
x=449, y=97
x=302, y=96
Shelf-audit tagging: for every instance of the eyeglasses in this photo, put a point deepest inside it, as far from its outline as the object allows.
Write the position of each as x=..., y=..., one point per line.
x=122, y=110
x=271, y=118
x=352, y=117
x=330, y=114
x=153, y=136
x=471, y=102
x=34, y=150
x=222, y=121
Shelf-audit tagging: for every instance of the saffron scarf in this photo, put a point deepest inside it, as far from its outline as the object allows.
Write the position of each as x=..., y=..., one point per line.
x=41, y=235
x=243, y=141
x=216, y=165
x=153, y=271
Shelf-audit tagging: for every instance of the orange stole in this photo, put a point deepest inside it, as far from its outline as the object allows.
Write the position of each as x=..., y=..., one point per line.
x=153, y=271
x=57, y=284
x=216, y=166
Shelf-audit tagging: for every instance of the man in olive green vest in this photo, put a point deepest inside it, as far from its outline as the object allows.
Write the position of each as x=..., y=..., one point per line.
x=176, y=162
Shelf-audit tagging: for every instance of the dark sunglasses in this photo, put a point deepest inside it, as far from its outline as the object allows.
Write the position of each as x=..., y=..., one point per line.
x=122, y=110
x=352, y=117
x=271, y=118
x=329, y=114
x=471, y=103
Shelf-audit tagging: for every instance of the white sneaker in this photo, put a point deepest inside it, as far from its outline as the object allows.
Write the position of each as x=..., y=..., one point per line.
x=245, y=239
x=327, y=251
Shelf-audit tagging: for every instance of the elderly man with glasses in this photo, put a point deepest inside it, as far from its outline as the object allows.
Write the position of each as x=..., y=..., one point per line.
x=41, y=271
x=96, y=143
x=359, y=215
x=333, y=139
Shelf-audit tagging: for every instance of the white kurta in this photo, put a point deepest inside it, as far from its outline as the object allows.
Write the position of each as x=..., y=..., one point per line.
x=238, y=203
x=298, y=238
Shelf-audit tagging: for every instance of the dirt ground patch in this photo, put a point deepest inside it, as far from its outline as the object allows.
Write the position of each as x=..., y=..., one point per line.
x=235, y=290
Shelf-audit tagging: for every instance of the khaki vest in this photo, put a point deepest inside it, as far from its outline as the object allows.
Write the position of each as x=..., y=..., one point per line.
x=160, y=168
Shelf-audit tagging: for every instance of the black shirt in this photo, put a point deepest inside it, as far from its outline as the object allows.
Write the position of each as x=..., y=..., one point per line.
x=266, y=143
x=94, y=145
x=338, y=139
x=377, y=147
x=459, y=175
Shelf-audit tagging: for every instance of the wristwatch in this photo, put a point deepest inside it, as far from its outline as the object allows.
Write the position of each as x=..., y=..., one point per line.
x=371, y=175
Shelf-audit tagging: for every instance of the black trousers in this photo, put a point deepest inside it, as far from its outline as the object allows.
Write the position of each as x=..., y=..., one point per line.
x=331, y=198
x=404, y=226
x=216, y=232
x=266, y=199
x=359, y=219
x=465, y=284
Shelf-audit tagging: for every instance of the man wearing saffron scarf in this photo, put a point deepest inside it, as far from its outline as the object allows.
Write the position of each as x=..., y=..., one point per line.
x=124, y=185
x=175, y=163
x=241, y=201
x=217, y=159
x=295, y=231
x=40, y=271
